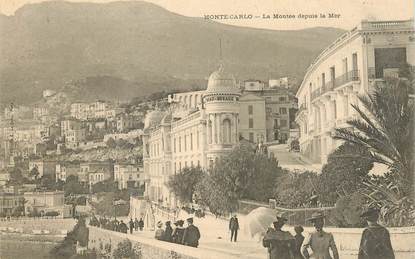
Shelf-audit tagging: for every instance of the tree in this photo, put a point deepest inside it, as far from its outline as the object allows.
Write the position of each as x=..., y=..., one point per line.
x=111, y=143
x=34, y=173
x=72, y=186
x=344, y=172
x=215, y=197
x=105, y=186
x=183, y=183
x=294, y=189
x=246, y=174
x=16, y=177
x=386, y=129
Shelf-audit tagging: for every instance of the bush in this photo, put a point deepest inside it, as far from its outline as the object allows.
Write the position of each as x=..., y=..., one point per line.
x=125, y=249
x=348, y=210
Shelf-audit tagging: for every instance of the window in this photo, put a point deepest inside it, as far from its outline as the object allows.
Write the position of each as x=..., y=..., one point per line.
x=251, y=123
x=282, y=99
x=251, y=136
x=191, y=141
x=227, y=131
x=180, y=144
x=197, y=140
x=323, y=79
x=275, y=123
x=250, y=109
x=185, y=143
x=283, y=110
x=175, y=145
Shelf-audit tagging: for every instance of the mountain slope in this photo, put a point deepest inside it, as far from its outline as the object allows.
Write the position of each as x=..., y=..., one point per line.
x=48, y=44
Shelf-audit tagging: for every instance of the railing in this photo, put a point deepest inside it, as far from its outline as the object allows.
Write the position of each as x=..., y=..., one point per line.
x=350, y=76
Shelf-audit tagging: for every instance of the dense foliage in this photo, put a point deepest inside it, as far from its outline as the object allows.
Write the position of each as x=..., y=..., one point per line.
x=343, y=173
x=183, y=184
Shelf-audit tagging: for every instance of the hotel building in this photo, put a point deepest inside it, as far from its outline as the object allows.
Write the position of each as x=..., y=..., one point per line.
x=349, y=67
x=199, y=128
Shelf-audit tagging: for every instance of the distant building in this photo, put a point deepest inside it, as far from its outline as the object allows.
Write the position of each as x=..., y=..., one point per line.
x=126, y=123
x=70, y=124
x=252, y=118
x=97, y=169
x=74, y=137
x=128, y=175
x=43, y=202
x=66, y=169
x=278, y=104
x=349, y=67
x=39, y=112
x=99, y=175
x=253, y=85
x=283, y=82
x=44, y=167
x=11, y=203
x=80, y=110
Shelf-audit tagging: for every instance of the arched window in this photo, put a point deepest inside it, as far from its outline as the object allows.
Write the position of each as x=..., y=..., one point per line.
x=226, y=131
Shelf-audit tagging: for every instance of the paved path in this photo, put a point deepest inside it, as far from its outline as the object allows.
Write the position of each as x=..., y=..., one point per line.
x=291, y=160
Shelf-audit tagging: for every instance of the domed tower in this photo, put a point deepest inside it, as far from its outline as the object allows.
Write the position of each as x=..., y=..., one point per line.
x=221, y=102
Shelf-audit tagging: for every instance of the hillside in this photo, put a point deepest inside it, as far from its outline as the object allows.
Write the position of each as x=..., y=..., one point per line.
x=131, y=48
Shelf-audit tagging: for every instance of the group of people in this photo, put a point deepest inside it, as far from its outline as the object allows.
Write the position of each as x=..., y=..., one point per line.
x=188, y=236
x=375, y=242
x=117, y=225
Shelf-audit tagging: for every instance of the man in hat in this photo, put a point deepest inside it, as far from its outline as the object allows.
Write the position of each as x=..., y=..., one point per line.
x=320, y=242
x=280, y=244
x=375, y=243
x=191, y=234
x=178, y=232
x=168, y=231
x=234, y=227
x=159, y=235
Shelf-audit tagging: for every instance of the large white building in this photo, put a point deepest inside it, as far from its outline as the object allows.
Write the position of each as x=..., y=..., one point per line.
x=204, y=128
x=349, y=67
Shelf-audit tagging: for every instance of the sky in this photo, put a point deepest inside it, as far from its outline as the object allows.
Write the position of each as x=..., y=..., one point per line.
x=351, y=11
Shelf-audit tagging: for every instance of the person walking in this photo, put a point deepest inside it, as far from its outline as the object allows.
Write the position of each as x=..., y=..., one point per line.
x=136, y=224
x=319, y=241
x=141, y=224
x=234, y=227
x=280, y=244
x=168, y=231
x=299, y=239
x=81, y=234
x=178, y=232
x=191, y=234
x=131, y=225
x=159, y=235
x=375, y=242
x=122, y=227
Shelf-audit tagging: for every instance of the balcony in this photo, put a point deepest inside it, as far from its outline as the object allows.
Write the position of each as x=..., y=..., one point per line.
x=351, y=76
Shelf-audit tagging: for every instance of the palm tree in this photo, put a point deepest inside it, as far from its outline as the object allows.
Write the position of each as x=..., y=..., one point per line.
x=386, y=129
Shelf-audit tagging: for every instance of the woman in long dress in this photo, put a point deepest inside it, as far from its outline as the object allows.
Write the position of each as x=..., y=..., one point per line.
x=319, y=241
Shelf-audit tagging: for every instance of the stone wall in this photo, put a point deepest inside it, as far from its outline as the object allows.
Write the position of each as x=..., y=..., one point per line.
x=149, y=247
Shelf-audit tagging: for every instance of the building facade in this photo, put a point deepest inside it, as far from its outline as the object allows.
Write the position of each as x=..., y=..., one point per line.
x=349, y=67
x=200, y=127
x=128, y=175
x=43, y=202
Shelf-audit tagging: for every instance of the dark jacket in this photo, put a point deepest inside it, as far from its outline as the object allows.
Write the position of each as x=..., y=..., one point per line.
x=141, y=223
x=375, y=243
x=177, y=236
x=122, y=227
x=81, y=234
x=233, y=224
x=168, y=234
x=191, y=236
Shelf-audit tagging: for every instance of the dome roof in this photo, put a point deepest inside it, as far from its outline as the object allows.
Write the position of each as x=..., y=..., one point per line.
x=222, y=82
x=153, y=119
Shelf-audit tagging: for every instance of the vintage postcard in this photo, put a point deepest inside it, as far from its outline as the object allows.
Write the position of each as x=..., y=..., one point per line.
x=207, y=129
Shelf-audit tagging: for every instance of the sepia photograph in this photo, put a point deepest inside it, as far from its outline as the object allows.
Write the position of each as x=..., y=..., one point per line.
x=220, y=129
